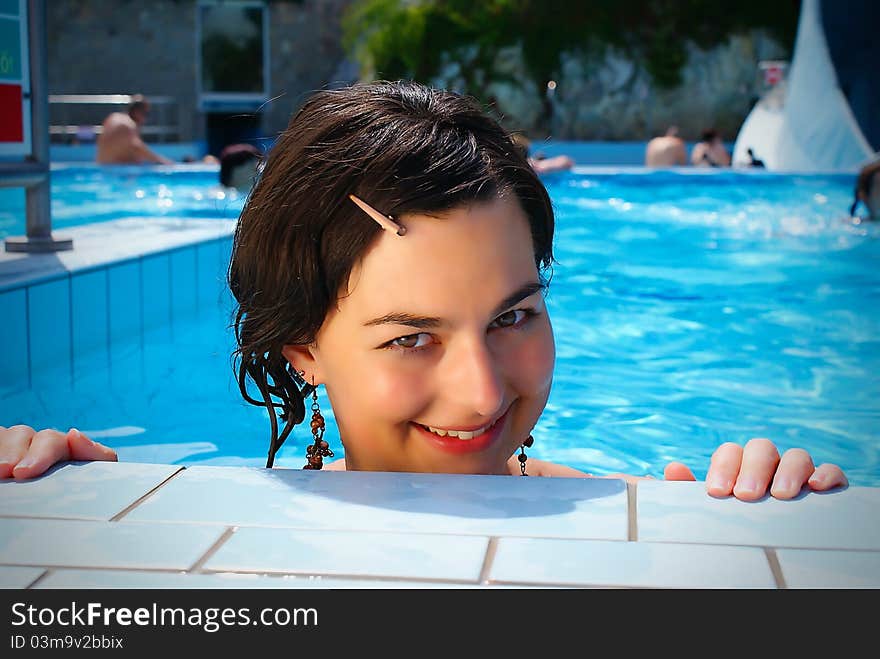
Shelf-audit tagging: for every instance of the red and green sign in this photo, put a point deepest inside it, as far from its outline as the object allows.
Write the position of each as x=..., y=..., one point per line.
x=14, y=80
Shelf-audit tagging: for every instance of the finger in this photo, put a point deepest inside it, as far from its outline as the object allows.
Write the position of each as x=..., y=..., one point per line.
x=827, y=476
x=14, y=443
x=723, y=469
x=82, y=447
x=795, y=467
x=676, y=471
x=760, y=459
x=47, y=447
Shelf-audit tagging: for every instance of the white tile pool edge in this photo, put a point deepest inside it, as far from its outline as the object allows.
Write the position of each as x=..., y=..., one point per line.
x=121, y=278
x=746, y=546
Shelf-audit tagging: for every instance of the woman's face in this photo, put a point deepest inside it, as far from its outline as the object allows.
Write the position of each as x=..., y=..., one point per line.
x=439, y=356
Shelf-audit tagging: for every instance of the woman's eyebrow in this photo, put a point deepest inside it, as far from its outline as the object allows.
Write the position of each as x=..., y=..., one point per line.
x=401, y=318
x=519, y=295
x=432, y=322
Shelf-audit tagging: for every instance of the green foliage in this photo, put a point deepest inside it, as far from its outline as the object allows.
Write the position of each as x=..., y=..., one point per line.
x=413, y=38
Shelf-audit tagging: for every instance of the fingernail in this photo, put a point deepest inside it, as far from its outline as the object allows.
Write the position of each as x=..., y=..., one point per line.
x=24, y=463
x=785, y=485
x=747, y=484
x=719, y=483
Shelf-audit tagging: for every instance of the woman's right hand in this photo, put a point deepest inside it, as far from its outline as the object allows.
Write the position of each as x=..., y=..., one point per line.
x=25, y=452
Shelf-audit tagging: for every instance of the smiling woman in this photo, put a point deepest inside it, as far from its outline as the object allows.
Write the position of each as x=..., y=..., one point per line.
x=433, y=342
x=459, y=360
x=406, y=332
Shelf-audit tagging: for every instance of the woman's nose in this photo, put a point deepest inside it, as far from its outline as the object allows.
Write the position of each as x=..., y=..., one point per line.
x=476, y=381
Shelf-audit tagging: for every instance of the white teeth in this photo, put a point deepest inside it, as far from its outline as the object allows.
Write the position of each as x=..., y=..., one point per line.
x=460, y=434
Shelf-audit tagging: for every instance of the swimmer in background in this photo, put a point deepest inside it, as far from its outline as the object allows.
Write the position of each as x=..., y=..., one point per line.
x=867, y=192
x=710, y=151
x=240, y=165
x=120, y=142
x=539, y=162
x=667, y=150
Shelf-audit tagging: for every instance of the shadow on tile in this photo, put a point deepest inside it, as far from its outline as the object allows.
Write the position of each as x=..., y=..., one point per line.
x=476, y=496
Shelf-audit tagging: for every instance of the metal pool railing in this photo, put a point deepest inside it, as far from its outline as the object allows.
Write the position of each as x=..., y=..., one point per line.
x=78, y=117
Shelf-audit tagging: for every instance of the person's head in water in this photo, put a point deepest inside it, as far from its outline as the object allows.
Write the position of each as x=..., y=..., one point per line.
x=868, y=190
x=435, y=347
x=710, y=136
x=239, y=166
x=138, y=108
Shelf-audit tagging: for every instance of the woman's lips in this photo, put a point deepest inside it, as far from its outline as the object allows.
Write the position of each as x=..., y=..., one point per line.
x=456, y=445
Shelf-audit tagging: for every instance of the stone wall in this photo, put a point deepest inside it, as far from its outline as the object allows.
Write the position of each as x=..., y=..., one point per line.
x=149, y=47
x=613, y=100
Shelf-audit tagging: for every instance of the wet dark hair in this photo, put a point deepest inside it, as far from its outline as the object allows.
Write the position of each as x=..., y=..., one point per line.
x=709, y=134
x=234, y=156
x=864, y=183
x=138, y=102
x=400, y=146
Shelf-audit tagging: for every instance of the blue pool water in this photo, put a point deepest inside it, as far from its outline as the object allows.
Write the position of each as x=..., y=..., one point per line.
x=83, y=194
x=689, y=309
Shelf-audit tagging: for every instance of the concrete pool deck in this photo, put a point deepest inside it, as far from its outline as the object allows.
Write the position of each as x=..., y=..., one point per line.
x=135, y=525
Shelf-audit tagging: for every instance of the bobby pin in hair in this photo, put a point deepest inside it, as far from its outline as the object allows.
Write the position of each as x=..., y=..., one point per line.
x=385, y=221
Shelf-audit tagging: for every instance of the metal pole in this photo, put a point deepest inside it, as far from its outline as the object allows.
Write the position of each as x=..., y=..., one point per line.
x=38, y=204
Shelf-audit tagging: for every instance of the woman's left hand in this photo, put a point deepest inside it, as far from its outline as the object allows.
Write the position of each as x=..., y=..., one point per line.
x=747, y=472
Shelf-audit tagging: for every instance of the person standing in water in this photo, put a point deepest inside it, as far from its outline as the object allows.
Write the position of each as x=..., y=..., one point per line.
x=867, y=190
x=666, y=150
x=120, y=140
x=710, y=150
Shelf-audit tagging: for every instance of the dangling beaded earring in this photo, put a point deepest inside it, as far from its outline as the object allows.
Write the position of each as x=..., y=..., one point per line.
x=522, y=454
x=315, y=453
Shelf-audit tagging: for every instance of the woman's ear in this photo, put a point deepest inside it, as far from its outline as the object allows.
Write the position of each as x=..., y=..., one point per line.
x=303, y=360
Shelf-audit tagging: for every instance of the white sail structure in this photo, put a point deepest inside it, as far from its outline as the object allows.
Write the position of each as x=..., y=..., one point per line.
x=805, y=123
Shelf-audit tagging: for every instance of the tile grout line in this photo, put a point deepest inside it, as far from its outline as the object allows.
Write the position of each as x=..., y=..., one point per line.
x=775, y=568
x=140, y=265
x=227, y=533
x=118, y=516
x=109, y=568
x=108, y=344
x=632, y=530
x=45, y=573
x=488, y=559
x=51, y=518
x=317, y=576
x=170, y=293
x=240, y=572
x=27, y=319
x=70, y=323
x=578, y=586
x=196, y=277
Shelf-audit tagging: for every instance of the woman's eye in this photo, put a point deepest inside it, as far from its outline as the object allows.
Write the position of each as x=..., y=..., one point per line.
x=411, y=340
x=509, y=318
